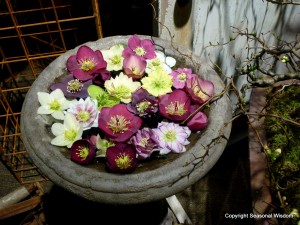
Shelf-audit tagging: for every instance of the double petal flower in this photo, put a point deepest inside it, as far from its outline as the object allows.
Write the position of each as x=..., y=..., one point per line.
x=171, y=137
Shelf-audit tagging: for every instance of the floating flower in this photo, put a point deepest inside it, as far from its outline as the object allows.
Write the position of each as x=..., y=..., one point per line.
x=142, y=48
x=198, y=122
x=160, y=62
x=71, y=87
x=118, y=123
x=68, y=132
x=142, y=103
x=171, y=137
x=144, y=143
x=83, y=152
x=122, y=87
x=54, y=103
x=101, y=144
x=175, y=106
x=85, y=112
x=134, y=66
x=200, y=90
x=180, y=76
x=102, y=97
x=86, y=63
x=121, y=158
x=157, y=83
x=114, y=57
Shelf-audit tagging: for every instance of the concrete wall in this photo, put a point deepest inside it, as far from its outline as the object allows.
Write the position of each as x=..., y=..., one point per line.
x=206, y=25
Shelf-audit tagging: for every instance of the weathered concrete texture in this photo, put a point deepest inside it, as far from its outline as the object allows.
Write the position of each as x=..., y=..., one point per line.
x=214, y=22
x=153, y=180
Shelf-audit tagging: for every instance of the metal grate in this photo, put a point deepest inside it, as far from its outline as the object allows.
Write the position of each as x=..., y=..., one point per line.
x=32, y=34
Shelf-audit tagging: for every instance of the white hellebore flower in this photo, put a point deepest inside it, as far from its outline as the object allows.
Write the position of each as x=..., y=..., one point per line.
x=160, y=62
x=114, y=57
x=68, y=132
x=54, y=103
x=85, y=112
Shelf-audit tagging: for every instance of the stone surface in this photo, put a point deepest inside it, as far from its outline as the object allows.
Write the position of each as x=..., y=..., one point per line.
x=150, y=182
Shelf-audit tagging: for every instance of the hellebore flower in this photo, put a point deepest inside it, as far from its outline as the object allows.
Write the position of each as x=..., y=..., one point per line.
x=134, y=66
x=171, y=137
x=142, y=103
x=72, y=88
x=102, y=97
x=54, y=103
x=113, y=57
x=68, y=132
x=143, y=142
x=86, y=63
x=101, y=145
x=85, y=112
x=118, y=123
x=198, y=122
x=122, y=87
x=175, y=106
x=160, y=62
x=121, y=158
x=143, y=48
x=157, y=83
x=180, y=76
x=83, y=152
x=200, y=90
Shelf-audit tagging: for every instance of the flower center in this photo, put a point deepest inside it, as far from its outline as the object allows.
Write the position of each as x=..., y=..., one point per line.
x=115, y=60
x=198, y=92
x=70, y=135
x=121, y=92
x=140, y=51
x=55, y=105
x=135, y=70
x=143, y=142
x=156, y=62
x=83, y=116
x=182, y=77
x=169, y=136
x=118, y=124
x=142, y=106
x=175, y=108
x=123, y=161
x=87, y=65
x=82, y=152
x=74, y=86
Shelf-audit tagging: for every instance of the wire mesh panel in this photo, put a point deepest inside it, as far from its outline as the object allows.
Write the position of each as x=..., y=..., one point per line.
x=32, y=34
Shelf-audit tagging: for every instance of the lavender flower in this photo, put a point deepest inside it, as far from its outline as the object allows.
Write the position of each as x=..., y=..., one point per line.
x=144, y=143
x=171, y=137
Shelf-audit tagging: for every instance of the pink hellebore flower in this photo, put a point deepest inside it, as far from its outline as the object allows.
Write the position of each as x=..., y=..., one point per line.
x=121, y=158
x=134, y=66
x=198, y=122
x=83, y=152
x=144, y=143
x=142, y=48
x=200, y=90
x=118, y=123
x=180, y=76
x=175, y=106
x=86, y=63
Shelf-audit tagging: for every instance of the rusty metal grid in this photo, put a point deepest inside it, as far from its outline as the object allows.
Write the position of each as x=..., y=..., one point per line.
x=41, y=34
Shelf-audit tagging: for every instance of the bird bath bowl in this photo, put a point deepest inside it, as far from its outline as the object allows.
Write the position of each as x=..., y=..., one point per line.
x=151, y=181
